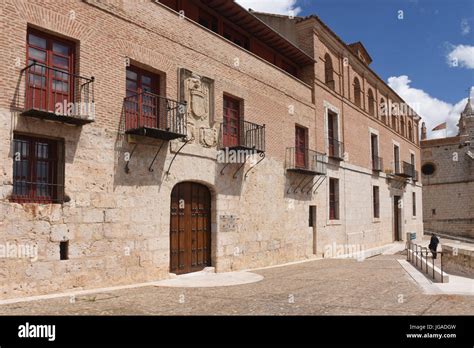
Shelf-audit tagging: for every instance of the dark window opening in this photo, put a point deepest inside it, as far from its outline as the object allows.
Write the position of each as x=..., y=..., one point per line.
x=396, y=158
x=207, y=20
x=357, y=92
x=38, y=170
x=312, y=215
x=333, y=199
x=289, y=68
x=414, y=203
x=376, y=201
x=374, y=144
x=371, y=101
x=236, y=37
x=64, y=250
x=428, y=169
x=328, y=72
x=394, y=122
x=433, y=211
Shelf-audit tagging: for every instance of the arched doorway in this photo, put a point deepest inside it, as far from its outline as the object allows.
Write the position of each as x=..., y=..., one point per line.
x=190, y=228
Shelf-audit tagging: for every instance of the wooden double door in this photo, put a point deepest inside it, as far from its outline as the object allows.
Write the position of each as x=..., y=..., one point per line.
x=190, y=228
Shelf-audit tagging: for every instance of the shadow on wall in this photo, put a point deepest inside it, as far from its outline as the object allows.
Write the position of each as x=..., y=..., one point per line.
x=302, y=187
x=230, y=178
x=138, y=161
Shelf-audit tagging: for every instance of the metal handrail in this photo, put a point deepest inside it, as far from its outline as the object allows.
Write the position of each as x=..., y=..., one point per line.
x=404, y=168
x=89, y=79
x=424, y=252
x=336, y=148
x=377, y=163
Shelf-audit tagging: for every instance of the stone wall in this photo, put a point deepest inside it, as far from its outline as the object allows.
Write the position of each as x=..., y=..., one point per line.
x=447, y=193
x=458, y=260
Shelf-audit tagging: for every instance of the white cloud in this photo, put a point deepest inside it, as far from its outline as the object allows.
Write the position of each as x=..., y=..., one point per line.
x=461, y=56
x=283, y=7
x=465, y=27
x=432, y=110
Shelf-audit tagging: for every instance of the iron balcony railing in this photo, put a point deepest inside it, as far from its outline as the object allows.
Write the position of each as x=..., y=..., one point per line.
x=56, y=94
x=336, y=149
x=404, y=169
x=377, y=164
x=153, y=115
x=305, y=161
x=415, y=177
x=242, y=135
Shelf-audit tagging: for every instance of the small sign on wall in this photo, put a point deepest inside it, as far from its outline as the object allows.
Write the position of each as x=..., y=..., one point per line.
x=227, y=223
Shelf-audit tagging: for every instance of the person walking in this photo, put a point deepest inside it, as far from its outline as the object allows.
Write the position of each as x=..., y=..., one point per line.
x=433, y=246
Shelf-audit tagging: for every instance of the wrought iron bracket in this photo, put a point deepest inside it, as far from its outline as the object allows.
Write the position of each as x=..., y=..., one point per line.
x=223, y=168
x=302, y=181
x=127, y=169
x=262, y=155
x=186, y=141
x=241, y=166
x=150, y=168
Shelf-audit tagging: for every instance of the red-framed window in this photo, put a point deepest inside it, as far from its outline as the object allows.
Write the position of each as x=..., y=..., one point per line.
x=301, y=146
x=231, y=125
x=38, y=170
x=333, y=199
x=142, y=98
x=51, y=81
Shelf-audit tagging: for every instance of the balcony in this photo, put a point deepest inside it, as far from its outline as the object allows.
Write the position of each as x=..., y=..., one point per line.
x=336, y=149
x=305, y=161
x=377, y=164
x=404, y=169
x=56, y=95
x=154, y=116
x=416, y=177
x=242, y=135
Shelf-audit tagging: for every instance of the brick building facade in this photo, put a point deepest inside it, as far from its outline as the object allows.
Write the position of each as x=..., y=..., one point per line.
x=114, y=114
x=448, y=180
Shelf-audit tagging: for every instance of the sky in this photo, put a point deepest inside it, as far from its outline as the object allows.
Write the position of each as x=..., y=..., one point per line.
x=423, y=49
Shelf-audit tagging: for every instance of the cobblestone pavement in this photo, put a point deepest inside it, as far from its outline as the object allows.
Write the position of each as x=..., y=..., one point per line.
x=376, y=286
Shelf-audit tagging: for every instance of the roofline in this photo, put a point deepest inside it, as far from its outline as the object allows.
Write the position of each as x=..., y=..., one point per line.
x=363, y=47
x=441, y=141
x=312, y=59
x=302, y=19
